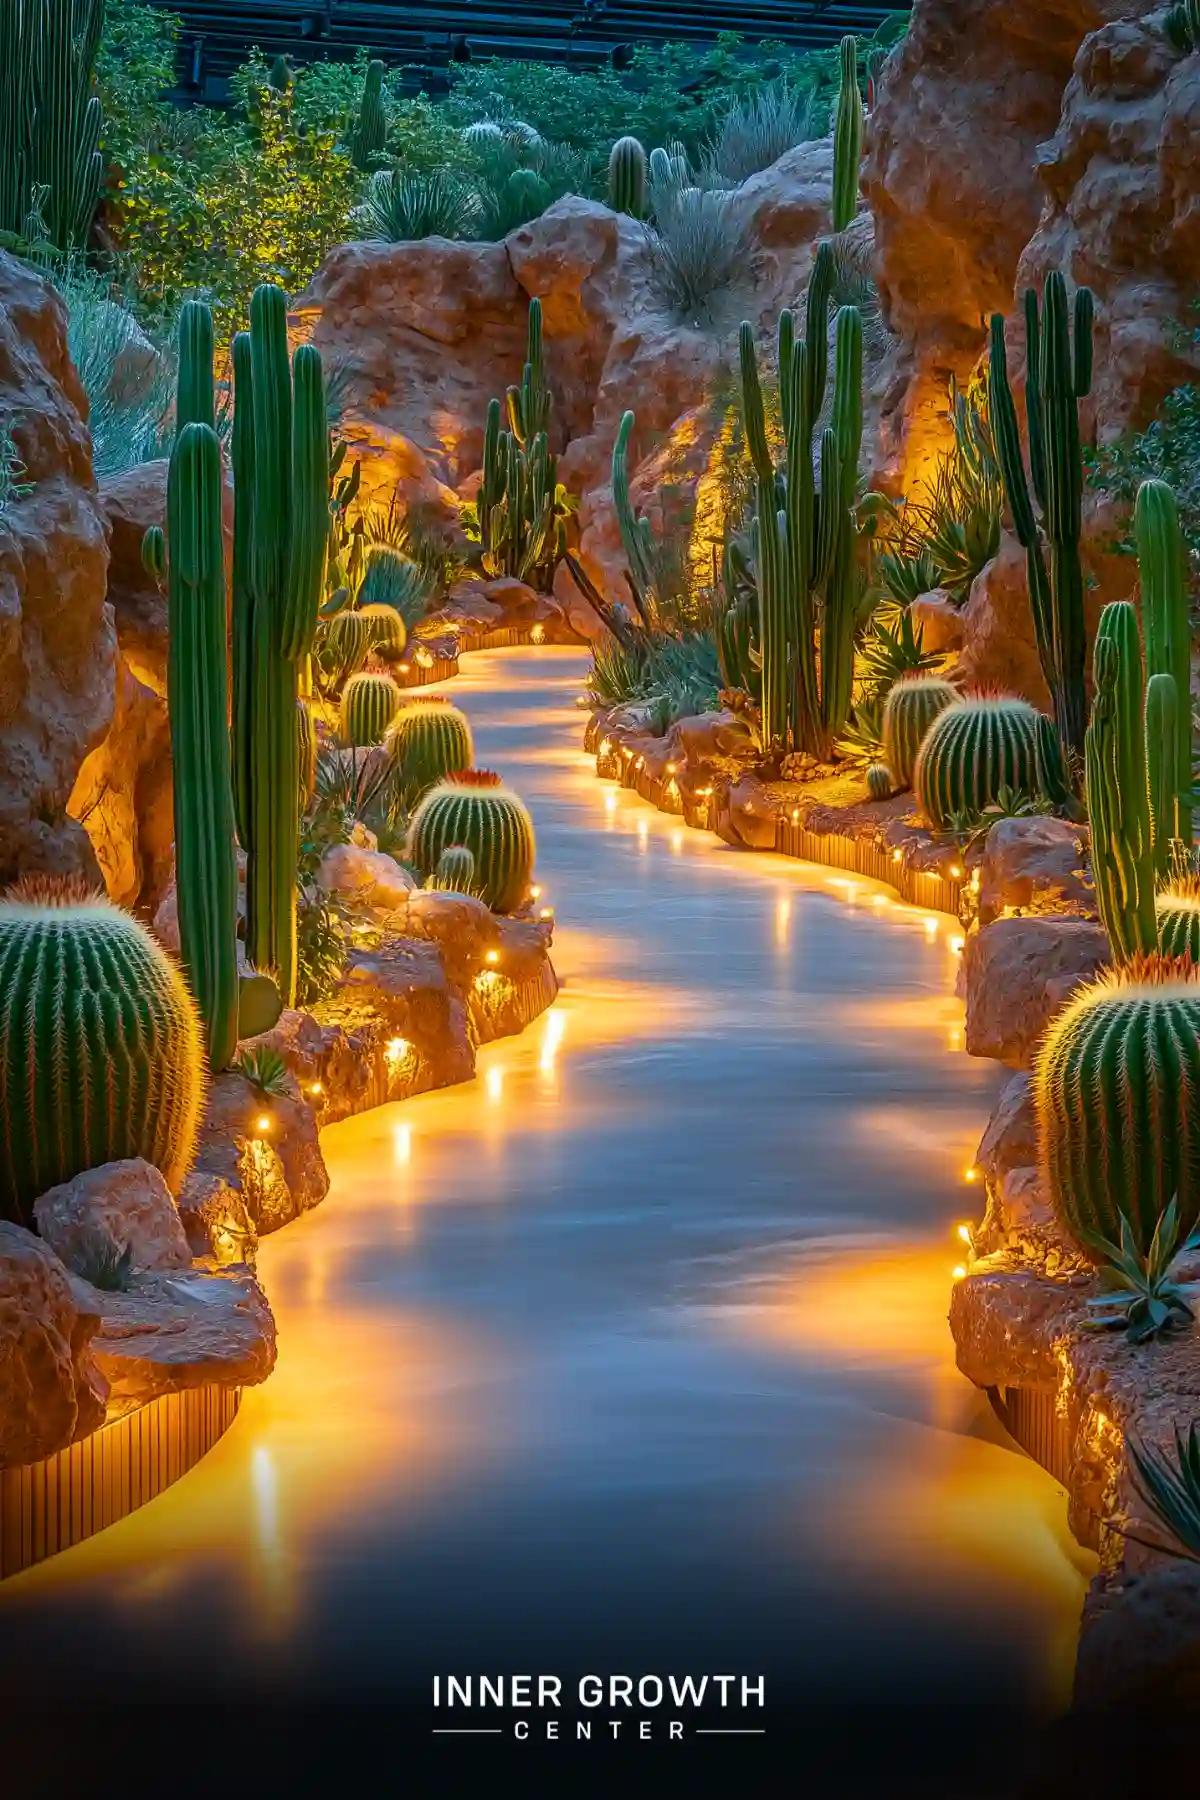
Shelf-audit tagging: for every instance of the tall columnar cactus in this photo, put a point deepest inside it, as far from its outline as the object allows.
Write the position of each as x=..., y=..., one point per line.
x=1058, y=376
x=101, y=1047
x=428, y=741
x=369, y=704
x=1177, y=909
x=370, y=131
x=973, y=749
x=1167, y=630
x=281, y=523
x=628, y=177
x=306, y=754
x=195, y=393
x=848, y=131
x=804, y=536
x=198, y=702
x=522, y=507
x=637, y=533
x=1118, y=788
x=1114, y=1088
x=475, y=810
x=1182, y=26
x=531, y=404
x=50, y=120
x=912, y=705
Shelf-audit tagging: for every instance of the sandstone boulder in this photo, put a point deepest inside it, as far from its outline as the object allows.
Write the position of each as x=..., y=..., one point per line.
x=171, y=1332
x=122, y=1206
x=51, y=1391
x=937, y=616
x=366, y=879
x=1017, y=974
x=215, y=1220
x=57, y=643
x=263, y=1147
x=1035, y=864
x=1011, y=1139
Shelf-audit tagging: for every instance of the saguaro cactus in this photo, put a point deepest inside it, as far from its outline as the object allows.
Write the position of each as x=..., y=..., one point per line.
x=1167, y=632
x=803, y=534
x=1058, y=376
x=281, y=523
x=628, y=176
x=370, y=132
x=848, y=130
x=197, y=699
x=1118, y=791
x=50, y=120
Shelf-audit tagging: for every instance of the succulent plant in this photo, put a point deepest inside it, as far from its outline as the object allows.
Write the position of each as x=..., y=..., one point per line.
x=429, y=740
x=975, y=747
x=848, y=130
x=1142, y=1293
x=1118, y=790
x=101, y=1045
x=370, y=132
x=264, y=1068
x=880, y=785
x=1177, y=911
x=369, y=704
x=803, y=536
x=476, y=811
x=259, y=1004
x=51, y=164
x=1172, y=1490
x=385, y=631
x=392, y=579
x=455, y=872
x=1058, y=377
x=627, y=178
x=912, y=705
x=522, y=507
x=154, y=552
x=344, y=646
x=1113, y=1089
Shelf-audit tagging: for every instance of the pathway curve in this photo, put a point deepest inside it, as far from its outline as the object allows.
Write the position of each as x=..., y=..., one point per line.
x=634, y=1351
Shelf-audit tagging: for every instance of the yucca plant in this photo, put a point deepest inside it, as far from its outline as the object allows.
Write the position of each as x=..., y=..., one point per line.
x=1143, y=1294
x=400, y=208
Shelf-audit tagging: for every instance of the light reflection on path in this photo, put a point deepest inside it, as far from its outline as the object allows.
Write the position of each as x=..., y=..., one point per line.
x=633, y=1350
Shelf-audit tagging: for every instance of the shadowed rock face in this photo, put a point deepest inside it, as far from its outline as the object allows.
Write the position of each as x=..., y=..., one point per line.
x=57, y=642
x=51, y=1391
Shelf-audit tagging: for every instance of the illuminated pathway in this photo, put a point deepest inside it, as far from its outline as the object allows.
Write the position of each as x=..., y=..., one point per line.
x=635, y=1351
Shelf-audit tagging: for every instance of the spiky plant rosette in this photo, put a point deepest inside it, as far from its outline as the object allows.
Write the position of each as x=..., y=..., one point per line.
x=1177, y=908
x=1142, y=1292
x=1115, y=1087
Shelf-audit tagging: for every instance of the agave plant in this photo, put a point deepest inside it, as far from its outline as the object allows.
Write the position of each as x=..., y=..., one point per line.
x=892, y=648
x=862, y=741
x=1142, y=1292
x=1171, y=1489
x=265, y=1070
x=970, y=830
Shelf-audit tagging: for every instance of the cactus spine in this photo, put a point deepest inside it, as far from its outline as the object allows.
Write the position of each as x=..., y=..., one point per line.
x=50, y=121
x=197, y=698
x=281, y=524
x=101, y=1051
x=1167, y=630
x=370, y=132
x=1177, y=907
x=1113, y=1090
x=848, y=130
x=879, y=781
x=1058, y=377
x=973, y=749
x=803, y=534
x=1118, y=789
x=429, y=740
x=475, y=810
x=627, y=178
x=912, y=705
x=369, y=704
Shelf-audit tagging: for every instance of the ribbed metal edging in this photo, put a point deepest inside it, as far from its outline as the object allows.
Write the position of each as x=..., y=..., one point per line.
x=1031, y=1416
x=48, y=1506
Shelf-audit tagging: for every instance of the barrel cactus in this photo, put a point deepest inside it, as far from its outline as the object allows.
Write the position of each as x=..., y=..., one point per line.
x=369, y=704
x=345, y=645
x=972, y=750
x=455, y=872
x=1113, y=1090
x=879, y=781
x=386, y=635
x=102, y=1053
x=1177, y=908
x=909, y=710
x=475, y=809
x=627, y=178
x=429, y=740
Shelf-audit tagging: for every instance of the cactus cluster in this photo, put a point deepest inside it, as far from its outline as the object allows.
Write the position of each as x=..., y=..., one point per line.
x=51, y=165
x=912, y=704
x=429, y=740
x=1118, y=790
x=101, y=1047
x=1058, y=376
x=975, y=747
x=476, y=811
x=522, y=506
x=804, y=535
x=1113, y=1090
x=628, y=176
x=369, y=704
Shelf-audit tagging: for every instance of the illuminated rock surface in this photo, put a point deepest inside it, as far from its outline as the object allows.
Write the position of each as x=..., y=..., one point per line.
x=633, y=1352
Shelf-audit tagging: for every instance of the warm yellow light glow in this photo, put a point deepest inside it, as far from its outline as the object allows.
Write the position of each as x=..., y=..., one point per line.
x=493, y=956
x=610, y=802
x=676, y=842
x=495, y=1085
x=956, y=944
x=958, y=1272
x=535, y=892
x=964, y=1232
x=931, y=928
x=538, y=634
x=263, y=1122
x=955, y=872
x=605, y=747
x=315, y=1088
x=783, y=919
x=971, y=1174
x=703, y=793
x=424, y=660
x=405, y=667
x=552, y=1037
x=402, y=1144
x=671, y=768
x=796, y=816
x=897, y=856
x=395, y=1052
x=974, y=881
x=547, y=912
